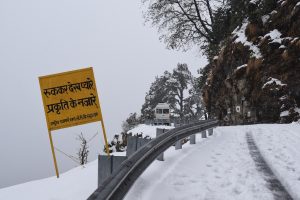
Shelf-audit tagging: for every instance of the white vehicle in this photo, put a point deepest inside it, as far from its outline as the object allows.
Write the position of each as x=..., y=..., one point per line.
x=162, y=114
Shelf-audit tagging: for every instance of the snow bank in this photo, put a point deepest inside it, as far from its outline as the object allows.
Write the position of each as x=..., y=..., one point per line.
x=76, y=184
x=147, y=130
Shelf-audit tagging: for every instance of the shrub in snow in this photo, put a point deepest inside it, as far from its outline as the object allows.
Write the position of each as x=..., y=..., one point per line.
x=83, y=151
x=118, y=144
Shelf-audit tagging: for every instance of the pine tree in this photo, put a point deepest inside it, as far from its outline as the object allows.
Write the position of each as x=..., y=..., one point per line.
x=158, y=93
x=178, y=86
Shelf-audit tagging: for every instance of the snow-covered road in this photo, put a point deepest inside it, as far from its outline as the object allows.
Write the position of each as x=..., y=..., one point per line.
x=272, y=182
x=280, y=146
x=221, y=167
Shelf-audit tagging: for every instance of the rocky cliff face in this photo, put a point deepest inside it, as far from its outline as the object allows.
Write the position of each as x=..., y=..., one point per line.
x=256, y=76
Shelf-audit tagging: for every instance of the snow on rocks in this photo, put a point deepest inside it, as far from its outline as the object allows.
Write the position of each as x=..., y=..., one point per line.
x=273, y=12
x=253, y=1
x=242, y=66
x=295, y=40
x=297, y=5
x=284, y=113
x=272, y=81
x=275, y=36
x=239, y=33
x=284, y=97
x=265, y=18
x=287, y=112
x=283, y=3
x=239, y=68
x=282, y=47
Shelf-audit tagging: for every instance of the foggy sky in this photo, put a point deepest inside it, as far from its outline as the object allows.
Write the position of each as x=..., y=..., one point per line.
x=40, y=37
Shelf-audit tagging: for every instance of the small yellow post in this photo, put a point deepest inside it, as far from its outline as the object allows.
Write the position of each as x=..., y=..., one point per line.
x=105, y=138
x=53, y=154
x=102, y=121
x=104, y=131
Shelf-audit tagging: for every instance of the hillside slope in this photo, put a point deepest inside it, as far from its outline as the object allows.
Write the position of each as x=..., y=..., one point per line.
x=258, y=70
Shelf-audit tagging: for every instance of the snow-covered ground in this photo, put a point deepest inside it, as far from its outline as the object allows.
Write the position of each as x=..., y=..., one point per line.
x=76, y=184
x=147, y=130
x=219, y=167
x=280, y=146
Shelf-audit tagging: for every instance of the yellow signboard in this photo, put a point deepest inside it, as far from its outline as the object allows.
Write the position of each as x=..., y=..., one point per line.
x=70, y=98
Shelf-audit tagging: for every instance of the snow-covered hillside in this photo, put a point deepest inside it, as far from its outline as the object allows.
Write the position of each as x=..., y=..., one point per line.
x=219, y=167
x=76, y=184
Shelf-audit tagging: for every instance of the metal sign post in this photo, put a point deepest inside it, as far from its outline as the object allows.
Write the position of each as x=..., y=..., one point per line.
x=53, y=154
x=103, y=127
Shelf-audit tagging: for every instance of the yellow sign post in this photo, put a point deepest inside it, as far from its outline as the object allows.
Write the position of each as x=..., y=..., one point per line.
x=70, y=99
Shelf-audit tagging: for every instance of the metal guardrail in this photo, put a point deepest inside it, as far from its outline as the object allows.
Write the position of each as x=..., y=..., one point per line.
x=118, y=184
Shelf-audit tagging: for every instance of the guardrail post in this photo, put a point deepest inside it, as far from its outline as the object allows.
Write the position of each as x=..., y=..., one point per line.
x=178, y=145
x=108, y=164
x=131, y=145
x=141, y=142
x=134, y=143
x=203, y=134
x=160, y=131
x=193, y=139
x=210, y=131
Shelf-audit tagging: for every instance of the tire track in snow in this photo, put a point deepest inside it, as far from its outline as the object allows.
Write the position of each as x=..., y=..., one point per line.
x=277, y=189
